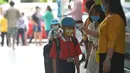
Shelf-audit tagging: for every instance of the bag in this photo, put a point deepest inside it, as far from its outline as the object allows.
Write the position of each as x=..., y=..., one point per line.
x=47, y=59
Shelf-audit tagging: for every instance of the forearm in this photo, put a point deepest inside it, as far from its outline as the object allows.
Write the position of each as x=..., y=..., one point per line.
x=110, y=53
x=54, y=66
x=93, y=33
x=77, y=64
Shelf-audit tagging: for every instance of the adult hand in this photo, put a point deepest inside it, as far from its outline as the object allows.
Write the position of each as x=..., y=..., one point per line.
x=106, y=66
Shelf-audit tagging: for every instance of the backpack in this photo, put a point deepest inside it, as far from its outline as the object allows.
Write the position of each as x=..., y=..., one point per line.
x=47, y=49
x=47, y=59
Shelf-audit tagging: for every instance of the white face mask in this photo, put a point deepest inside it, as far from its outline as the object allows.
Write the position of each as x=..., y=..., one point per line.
x=55, y=27
x=79, y=26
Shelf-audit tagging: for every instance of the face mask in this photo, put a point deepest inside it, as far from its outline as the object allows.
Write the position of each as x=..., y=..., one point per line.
x=69, y=32
x=78, y=26
x=95, y=18
x=55, y=27
x=103, y=8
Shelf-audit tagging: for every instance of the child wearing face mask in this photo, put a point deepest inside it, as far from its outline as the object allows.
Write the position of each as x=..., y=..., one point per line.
x=97, y=16
x=55, y=31
x=66, y=56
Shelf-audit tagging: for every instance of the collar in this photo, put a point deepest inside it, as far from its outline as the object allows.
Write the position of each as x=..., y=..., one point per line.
x=64, y=39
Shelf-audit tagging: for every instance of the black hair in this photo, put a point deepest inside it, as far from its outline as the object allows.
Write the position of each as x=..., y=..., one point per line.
x=12, y=3
x=115, y=7
x=89, y=3
x=37, y=7
x=97, y=8
x=49, y=8
x=22, y=13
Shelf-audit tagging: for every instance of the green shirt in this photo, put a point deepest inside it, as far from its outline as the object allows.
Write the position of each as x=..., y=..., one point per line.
x=48, y=17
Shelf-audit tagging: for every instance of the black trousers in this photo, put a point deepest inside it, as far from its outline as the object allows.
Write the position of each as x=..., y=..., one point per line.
x=117, y=63
x=22, y=32
x=3, y=34
x=65, y=67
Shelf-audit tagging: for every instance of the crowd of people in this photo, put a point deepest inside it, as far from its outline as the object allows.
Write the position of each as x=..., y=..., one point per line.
x=15, y=24
x=103, y=35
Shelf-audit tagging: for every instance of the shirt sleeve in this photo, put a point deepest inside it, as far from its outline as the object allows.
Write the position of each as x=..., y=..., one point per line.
x=6, y=14
x=53, y=53
x=50, y=35
x=113, y=31
x=45, y=16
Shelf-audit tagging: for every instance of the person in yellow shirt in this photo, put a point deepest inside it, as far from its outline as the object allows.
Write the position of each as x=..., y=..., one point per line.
x=3, y=25
x=111, y=35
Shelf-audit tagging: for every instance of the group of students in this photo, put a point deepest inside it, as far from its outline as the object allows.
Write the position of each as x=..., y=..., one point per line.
x=104, y=37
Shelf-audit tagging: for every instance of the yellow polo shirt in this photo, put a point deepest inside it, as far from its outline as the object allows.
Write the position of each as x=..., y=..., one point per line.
x=112, y=34
x=3, y=24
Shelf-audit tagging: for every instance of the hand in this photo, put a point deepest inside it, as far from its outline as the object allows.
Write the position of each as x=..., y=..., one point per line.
x=81, y=43
x=106, y=66
x=95, y=46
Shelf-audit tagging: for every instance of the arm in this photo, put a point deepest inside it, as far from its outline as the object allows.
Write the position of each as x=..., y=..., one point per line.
x=18, y=14
x=93, y=33
x=76, y=59
x=44, y=16
x=113, y=33
x=50, y=36
x=6, y=14
x=54, y=65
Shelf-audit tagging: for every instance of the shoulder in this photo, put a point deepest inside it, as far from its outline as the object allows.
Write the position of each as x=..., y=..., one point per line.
x=115, y=18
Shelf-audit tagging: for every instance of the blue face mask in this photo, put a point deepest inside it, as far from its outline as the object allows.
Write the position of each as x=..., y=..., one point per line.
x=95, y=18
x=103, y=8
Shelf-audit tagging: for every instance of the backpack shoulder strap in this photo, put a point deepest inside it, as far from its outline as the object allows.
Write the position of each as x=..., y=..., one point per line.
x=74, y=39
x=57, y=41
x=52, y=33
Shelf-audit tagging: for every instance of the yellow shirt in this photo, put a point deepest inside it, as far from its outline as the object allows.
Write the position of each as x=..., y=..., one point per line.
x=112, y=34
x=3, y=24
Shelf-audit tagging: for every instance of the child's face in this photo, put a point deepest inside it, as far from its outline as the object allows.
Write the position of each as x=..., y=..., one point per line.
x=68, y=31
x=56, y=26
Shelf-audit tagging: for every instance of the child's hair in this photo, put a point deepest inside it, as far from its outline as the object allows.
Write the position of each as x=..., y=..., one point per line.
x=97, y=8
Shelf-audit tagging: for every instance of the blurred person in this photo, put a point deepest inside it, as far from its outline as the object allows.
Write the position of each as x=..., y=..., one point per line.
x=55, y=31
x=111, y=35
x=97, y=16
x=88, y=44
x=4, y=28
x=12, y=15
x=36, y=18
x=47, y=18
x=22, y=22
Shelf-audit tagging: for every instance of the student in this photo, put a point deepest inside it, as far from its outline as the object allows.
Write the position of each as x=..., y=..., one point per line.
x=67, y=58
x=97, y=16
x=4, y=29
x=55, y=31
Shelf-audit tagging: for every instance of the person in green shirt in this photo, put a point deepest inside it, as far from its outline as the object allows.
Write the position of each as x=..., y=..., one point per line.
x=48, y=17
